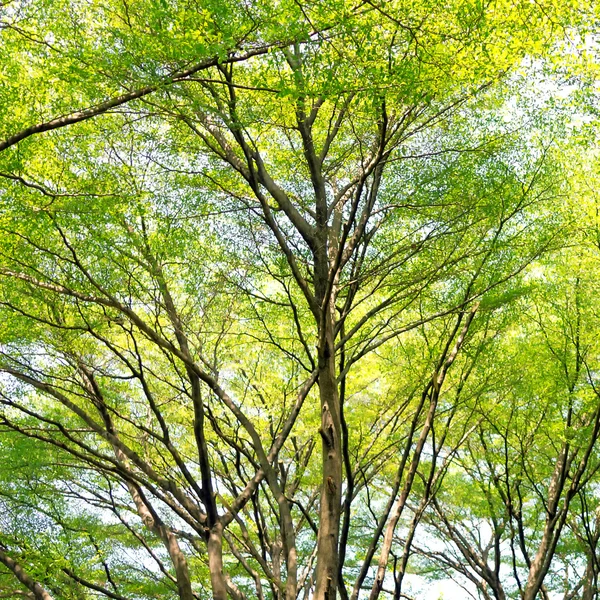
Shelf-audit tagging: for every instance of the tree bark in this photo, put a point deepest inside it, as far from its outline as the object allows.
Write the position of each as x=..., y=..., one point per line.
x=214, y=546
x=538, y=566
x=33, y=586
x=330, y=509
x=152, y=521
x=331, y=429
x=589, y=588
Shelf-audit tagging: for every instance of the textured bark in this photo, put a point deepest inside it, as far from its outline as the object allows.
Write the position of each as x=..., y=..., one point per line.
x=214, y=548
x=331, y=437
x=330, y=510
x=589, y=588
x=289, y=546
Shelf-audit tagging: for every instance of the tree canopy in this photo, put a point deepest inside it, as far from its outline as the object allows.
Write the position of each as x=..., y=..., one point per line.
x=298, y=300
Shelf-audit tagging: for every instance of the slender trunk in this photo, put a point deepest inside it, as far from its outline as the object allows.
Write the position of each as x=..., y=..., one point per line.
x=149, y=516
x=347, y=504
x=214, y=526
x=288, y=536
x=434, y=391
x=330, y=510
x=276, y=549
x=401, y=502
x=538, y=568
x=214, y=546
x=291, y=556
x=182, y=573
x=498, y=591
x=588, y=581
x=153, y=522
x=370, y=553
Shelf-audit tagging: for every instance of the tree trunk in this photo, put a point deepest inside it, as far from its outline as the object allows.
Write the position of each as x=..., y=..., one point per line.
x=401, y=502
x=330, y=510
x=588, y=580
x=214, y=547
x=539, y=565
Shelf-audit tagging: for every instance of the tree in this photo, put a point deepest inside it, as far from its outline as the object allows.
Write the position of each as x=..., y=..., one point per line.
x=197, y=283
x=535, y=452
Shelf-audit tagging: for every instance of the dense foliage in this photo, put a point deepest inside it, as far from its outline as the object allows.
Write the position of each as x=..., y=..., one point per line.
x=299, y=300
